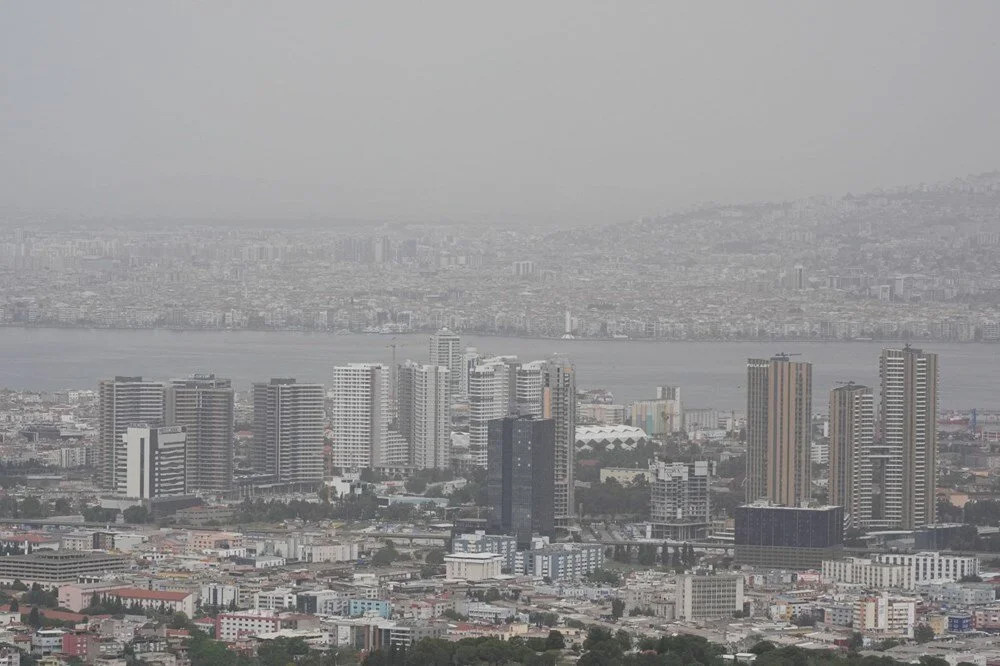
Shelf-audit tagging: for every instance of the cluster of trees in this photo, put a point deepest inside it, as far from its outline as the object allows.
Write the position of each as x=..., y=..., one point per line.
x=32, y=507
x=204, y=651
x=648, y=554
x=605, y=577
x=613, y=499
x=387, y=555
x=440, y=652
x=36, y=595
x=770, y=655
x=421, y=478
x=589, y=469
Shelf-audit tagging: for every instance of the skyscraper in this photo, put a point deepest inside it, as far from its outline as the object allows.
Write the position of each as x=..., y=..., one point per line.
x=288, y=430
x=680, y=505
x=360, y=418
x=446, y=350
x=520, y=476
x=908, y=427
x=424, y=414
x=155, y=461
x=123, y=402
x=852, y=437
x=559, y=404
x=203, y=405
x=779, y=430
x=491, y=396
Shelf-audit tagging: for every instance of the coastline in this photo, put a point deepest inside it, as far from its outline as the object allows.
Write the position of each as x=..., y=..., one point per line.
x=514, y=336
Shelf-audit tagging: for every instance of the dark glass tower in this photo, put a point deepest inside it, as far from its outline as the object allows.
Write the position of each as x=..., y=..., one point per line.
x=520, y=476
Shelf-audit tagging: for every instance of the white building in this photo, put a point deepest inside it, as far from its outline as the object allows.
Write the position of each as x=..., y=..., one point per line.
x=424, y=397
x=123, y=402
x=908, y=413
x=865, y=572
x=288, y=430
x=446, y=351
x=490, y=395
x=562, y=561
x=155, y=461
x=219, y=594
x=928, y=567
x=708, y=597
x=230, y=627
x=280, y=598
x=472, y=566
x=885, y=615
x=360, y=415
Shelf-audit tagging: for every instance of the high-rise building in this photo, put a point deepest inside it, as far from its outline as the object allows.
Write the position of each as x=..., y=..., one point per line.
x=360, y=418
x=779, y=430
x=559, y=404
x=470, y=359
x=852, y=437
x=288, y=430
x=446, y=350
x=520, y=474
x=680, y=507
x=203, y=405
x=123, y=402
x=491, y=396
x=776, y=537
x=155, y=461
x=424, y=414
x=907, y=473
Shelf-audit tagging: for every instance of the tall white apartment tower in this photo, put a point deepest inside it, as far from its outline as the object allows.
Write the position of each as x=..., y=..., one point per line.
x=123, y=402
x=853, y=455
x=424, y=414
x=155, y=461
x=203, y=404
x=288, y=430
x=360, y=416
x=908, y=425
x=558, y=400
x=491, y=396
x=446, y=351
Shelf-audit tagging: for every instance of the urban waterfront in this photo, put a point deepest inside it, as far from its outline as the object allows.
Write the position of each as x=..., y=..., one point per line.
x=711, y=374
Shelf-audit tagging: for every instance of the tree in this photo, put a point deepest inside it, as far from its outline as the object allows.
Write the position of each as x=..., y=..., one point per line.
x=555, y=641
x=435, y=556
x=762, y=647
x=385, y=556
x=136, y=514
x=928, y=660
x=35, y=618
x=923, y=633
x=14, y=606
x=856, y=641
x=617, y=609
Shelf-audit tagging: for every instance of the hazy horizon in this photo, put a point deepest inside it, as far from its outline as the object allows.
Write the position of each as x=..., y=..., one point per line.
x=553, y=113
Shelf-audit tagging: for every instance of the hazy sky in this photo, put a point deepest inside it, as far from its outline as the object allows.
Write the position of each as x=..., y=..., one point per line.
x=570, y=112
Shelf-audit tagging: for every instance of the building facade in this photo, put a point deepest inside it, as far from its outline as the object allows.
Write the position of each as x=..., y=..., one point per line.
x=360, y=415
x=122, y=402
x=203, y=406
x=701, y=597
x=446, y=351
x=520, y=475
x=156, y=461
x=779, y=430
x=906, y=472
x=769, y=536
x=852, y=454
x=288, y=422
x=680, y=506
x=424, y=421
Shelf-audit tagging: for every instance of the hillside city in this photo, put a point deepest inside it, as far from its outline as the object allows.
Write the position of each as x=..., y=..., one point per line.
x=460, y=508
x=918, y=263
